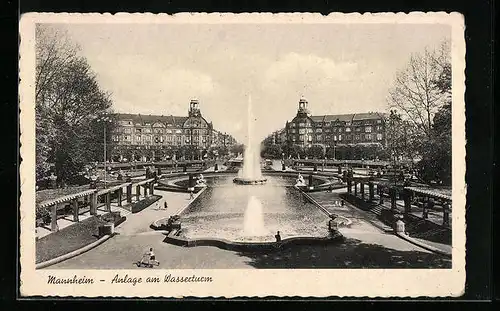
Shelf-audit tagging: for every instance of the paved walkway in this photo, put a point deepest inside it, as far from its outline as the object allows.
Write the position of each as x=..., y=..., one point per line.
x=365, y=227
x=367, y=246
x=135, y=237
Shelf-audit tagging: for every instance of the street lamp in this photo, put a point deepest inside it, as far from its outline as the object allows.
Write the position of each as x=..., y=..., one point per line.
x=105, y=119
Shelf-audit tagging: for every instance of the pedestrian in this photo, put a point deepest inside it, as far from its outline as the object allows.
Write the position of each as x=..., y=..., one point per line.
x=191, y=195
x=278, y=237
x=342, y=202
x=165, y=205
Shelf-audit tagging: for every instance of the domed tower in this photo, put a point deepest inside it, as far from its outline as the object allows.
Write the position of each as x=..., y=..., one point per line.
x=303, y=110
x=194, y=108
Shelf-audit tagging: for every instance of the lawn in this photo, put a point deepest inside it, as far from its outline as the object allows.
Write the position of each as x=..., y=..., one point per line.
x=68, y=239
x=139, y=206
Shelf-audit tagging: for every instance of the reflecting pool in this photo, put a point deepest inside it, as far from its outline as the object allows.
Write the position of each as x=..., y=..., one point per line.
x=252, y=213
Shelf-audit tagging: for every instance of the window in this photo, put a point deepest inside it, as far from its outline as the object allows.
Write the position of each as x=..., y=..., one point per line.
x=327, y=130
x=347, y=129
x=319, y=130
x=334, y=137
x=379, y=136
x=379, y=128
x=368, y=129
x=340, y=137
x=302, y=131
x=356, y=137
x=301, y=138
x=138, y=137
x=138, y=130
x=293, y=131
x=293, y=138
x=178, y=131
x=368, y=136
x=127, y=130
x=309, y=130
x=379, y=121
x=302, y=124
x=310, y=138
x=319, y=137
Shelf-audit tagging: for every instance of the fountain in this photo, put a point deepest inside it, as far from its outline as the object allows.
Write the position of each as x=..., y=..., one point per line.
x=253, y=224
x=251, y=173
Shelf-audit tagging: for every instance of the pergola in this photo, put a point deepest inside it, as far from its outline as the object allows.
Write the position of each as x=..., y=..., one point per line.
x=92, y=197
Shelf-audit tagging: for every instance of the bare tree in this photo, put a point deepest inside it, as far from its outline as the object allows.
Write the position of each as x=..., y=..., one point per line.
x=416, y=93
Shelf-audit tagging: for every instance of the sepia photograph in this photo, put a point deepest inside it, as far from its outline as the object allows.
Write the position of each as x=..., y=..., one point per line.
x=243, y=143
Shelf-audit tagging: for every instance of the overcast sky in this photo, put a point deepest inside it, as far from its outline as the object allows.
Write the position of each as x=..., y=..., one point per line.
x=157, y=69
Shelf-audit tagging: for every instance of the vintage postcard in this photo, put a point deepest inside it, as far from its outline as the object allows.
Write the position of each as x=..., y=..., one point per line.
x=242, y=155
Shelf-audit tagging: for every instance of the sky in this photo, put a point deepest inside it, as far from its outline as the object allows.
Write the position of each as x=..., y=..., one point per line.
x=339, y=68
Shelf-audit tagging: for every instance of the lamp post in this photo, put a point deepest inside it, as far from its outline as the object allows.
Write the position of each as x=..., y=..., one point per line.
x=105, y=119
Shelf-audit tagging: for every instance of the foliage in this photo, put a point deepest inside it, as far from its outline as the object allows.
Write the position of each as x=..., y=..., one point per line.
x=316, y=151
x=419, y=126
x=68, y=101
x=357, y=152
x=271, y=151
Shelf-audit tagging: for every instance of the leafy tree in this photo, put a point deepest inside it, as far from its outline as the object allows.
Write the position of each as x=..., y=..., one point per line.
x=316, y=151
x=68, y=102
x=271, y=151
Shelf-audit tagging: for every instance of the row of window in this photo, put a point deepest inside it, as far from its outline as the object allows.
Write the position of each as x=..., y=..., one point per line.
x=367, y=129
x=369, y=137
x=348, y=123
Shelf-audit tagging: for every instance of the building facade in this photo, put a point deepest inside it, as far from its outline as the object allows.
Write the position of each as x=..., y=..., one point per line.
x=152, y=137
x=359, y=128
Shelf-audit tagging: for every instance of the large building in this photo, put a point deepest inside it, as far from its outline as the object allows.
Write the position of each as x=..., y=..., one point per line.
x=307, y=130
x=152, y=137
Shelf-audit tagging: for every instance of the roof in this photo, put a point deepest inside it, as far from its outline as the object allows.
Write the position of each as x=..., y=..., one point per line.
x=347, y=117
x=139, y=118
x=433, y=192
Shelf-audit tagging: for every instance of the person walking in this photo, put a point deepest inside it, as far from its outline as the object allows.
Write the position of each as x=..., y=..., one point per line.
x=165, y=205
x=191, y=195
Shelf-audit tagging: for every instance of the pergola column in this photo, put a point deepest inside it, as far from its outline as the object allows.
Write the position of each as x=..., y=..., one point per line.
x=129, y=193
x=407, y=200
x=371, y=190
x=380, y=194
x=108, y=201
x=53, y=218
x=151, y=187
x=362, y=189
x=446, y=214
x=355, y=189
x=93, y=203
x=138, y=192
x=146, y=190
x=120, y=194
x=75, y=210
x=393, y=198
x=349, y=185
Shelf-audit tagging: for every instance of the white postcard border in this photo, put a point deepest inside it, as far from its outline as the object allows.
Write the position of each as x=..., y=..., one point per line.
x=245, y=282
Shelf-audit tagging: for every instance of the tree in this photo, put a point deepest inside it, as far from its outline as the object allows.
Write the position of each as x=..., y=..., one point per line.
x=68, y=102
x=316, y=151
x=271, y=151
x=418, y=89
x=436, y=159
x=419, y=126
